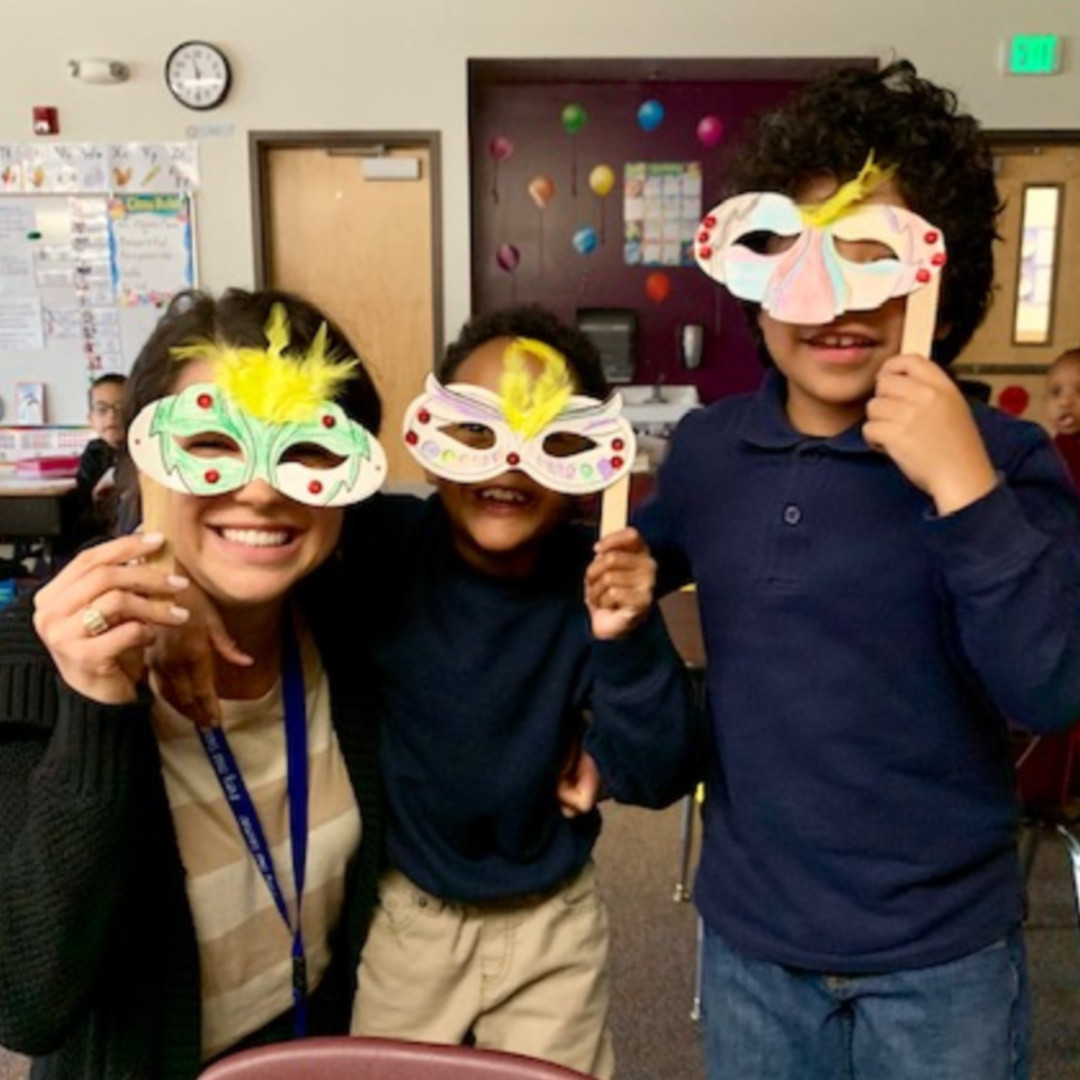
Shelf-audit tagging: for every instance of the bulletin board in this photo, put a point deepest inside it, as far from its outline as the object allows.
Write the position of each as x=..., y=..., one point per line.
x=93, y=243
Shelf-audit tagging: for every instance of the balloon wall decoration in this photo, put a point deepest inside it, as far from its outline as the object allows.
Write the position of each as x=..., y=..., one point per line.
x=585, y=240
x=507, y=257
x=573, y=120
x=710, y=130
x=650, y=115
x=602, y=180
x=541, y=190
x=658, y=286
x=500, y=148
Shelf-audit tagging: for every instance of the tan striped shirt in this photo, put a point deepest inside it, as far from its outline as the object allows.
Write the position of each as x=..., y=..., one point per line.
x=244, y=946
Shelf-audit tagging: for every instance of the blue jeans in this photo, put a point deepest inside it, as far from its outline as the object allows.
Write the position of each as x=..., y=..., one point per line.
x=968, y=1019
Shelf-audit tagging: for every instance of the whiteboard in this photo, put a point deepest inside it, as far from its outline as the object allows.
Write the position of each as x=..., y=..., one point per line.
x=83, y=281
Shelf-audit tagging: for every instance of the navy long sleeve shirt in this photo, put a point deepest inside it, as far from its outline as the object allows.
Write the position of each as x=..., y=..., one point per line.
x=484, y=686
x=865, y=657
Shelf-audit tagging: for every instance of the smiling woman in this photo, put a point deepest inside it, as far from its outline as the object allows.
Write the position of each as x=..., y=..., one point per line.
x=136, y=938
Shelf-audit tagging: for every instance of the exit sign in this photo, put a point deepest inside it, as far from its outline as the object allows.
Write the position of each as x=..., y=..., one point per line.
x=1033, y=54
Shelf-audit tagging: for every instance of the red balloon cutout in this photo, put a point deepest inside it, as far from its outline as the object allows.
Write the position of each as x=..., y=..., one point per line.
x=1014, y=400
x=658, y=286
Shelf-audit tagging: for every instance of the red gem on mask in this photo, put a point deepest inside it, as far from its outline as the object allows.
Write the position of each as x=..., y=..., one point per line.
x=211, y=476
x=703, y=237
x=922, y=276
x=315, y=487
x=412, y=438
x=423, y=416
x=616, y=462
x=931, y=237
x=512, y=460
x=617, y=444
x=705, y=252
x=328, y=422
x=939, y=259
x=708, y=221
x=204, y=401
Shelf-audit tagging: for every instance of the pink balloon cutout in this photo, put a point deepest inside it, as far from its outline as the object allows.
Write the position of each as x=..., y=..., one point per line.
x=508, y=257
x=500, y=148
x=710, y=131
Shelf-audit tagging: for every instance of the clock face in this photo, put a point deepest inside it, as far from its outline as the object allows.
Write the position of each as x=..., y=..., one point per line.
x=198, y=75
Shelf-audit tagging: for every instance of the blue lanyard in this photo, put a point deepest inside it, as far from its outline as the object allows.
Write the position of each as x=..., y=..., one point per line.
x=239, y=800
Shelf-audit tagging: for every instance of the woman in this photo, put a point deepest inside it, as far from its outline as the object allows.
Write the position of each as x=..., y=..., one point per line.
x=148, y=924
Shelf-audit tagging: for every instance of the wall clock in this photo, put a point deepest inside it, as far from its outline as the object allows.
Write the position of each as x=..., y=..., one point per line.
x=198, y=75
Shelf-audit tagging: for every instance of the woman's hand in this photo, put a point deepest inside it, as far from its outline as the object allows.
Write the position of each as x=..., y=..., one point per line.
x=619, y=584
x=101, y=611
x=182, y=660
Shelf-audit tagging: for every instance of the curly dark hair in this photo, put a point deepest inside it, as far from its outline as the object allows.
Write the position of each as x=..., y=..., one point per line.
x=530, y=321
x=944, y=169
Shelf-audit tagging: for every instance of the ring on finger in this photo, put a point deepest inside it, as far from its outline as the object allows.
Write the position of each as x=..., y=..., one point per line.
x=94, y=622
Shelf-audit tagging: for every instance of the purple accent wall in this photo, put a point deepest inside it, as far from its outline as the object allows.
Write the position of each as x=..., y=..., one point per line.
x=549, y=269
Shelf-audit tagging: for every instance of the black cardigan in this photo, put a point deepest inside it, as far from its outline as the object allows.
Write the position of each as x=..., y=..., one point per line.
x=99, y=975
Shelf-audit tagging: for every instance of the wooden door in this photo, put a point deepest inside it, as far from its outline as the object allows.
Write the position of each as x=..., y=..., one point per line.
x=363, y=250
x=1016, y=371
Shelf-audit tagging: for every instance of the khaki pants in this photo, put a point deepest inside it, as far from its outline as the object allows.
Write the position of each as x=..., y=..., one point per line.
x=528, y=975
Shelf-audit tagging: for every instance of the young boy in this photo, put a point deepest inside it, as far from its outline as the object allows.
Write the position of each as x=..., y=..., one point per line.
x=490, y=925
x=1063, y=398
x=90, y=510
x=888, y=575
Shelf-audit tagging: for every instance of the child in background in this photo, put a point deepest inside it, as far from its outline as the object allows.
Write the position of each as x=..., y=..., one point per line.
x=1063, y=403
x=90, y=510
x=888, y=575
x=97, y=466
x=490, y=672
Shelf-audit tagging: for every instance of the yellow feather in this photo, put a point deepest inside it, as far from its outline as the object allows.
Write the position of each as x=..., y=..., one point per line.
x=530, y=404
x=871, y=176
x=267, y=383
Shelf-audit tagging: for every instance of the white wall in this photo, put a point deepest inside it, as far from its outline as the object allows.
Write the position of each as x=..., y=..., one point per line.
x=401, y=65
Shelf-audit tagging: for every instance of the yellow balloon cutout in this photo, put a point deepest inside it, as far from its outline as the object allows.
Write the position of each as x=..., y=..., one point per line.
x=601, y=180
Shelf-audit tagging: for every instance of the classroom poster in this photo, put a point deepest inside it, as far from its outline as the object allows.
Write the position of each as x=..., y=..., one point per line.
x=150, y=244
x=661, y=211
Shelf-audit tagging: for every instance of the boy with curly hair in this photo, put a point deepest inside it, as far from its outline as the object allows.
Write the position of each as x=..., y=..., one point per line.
x=888, y=574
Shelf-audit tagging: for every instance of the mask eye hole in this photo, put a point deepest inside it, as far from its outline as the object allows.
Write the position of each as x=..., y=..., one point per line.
x=311, y=456
x=763, y=242
x=564, y=444
x=210, y=444
x=864, y=251
x=474, y=436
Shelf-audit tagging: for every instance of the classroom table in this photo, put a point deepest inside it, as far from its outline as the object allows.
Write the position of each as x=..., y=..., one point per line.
x=30, y=513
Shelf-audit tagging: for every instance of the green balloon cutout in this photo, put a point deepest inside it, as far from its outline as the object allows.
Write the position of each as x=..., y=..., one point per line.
x=573, y=119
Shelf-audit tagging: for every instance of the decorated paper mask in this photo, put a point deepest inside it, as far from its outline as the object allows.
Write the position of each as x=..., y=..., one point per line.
x=566, y=442
x=266, y=416
x=805, y=279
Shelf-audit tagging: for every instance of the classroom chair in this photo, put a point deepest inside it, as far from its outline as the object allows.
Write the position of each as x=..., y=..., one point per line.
x=344, y=1057
x=1047, y=769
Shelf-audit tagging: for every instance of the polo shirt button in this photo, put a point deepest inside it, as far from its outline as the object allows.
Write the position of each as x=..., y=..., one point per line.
x=792, y=514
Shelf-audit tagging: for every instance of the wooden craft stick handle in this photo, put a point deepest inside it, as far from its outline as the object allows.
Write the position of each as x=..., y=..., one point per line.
x=154, y=498
x=920, y=319
x=615, y=506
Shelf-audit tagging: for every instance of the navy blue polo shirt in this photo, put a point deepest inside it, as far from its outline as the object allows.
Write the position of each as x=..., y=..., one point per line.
x=865, y=657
